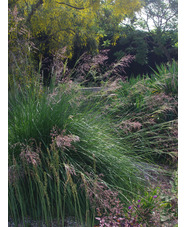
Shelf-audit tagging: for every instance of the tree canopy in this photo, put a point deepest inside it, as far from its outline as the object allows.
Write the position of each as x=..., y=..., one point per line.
x=38, y=29
x=160, y=14
x=62, y=21
x=159, y=19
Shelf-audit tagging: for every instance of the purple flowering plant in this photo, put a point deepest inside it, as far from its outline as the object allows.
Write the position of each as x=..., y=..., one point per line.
x=140, y=211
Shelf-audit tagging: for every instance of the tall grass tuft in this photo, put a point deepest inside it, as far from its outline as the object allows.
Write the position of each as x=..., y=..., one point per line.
x=145, y=111
x=57, y=151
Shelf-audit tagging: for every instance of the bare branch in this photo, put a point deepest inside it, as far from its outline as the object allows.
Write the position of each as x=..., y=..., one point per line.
x=167, y=20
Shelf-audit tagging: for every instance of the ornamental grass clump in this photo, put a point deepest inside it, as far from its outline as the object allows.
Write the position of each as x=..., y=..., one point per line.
x=145, y=112
x=53, y=142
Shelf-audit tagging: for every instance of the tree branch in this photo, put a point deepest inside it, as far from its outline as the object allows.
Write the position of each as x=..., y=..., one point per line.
x=167, y=20
x=74, y=7
x=34, y=8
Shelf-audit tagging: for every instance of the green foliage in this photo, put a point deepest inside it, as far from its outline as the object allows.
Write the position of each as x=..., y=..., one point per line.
x=145, y=112
x=119, y=54
x=106, y=43
x=169, y=201
x=166, y=79
x=142, y=210
x=157, y=22
x=55, y=146
x=66, y=146
x=36, y=117
x=56, y=24
x=136, y=44
x=21, y=64
x=163, y=25
x=153, y=17
x=40, y=28
x=158, y=206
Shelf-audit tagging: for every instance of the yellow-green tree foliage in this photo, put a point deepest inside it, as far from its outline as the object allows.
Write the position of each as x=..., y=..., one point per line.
x=63, y=21
x=20, y=49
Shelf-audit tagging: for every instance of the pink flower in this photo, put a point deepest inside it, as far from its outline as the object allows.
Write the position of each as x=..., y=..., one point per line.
x=29, y=156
